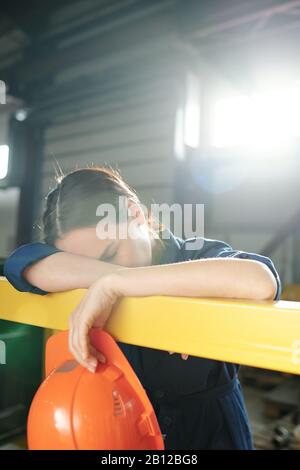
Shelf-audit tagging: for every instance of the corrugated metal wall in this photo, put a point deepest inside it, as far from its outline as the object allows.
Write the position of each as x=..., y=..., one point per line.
x=133, y=132
x=117, y=109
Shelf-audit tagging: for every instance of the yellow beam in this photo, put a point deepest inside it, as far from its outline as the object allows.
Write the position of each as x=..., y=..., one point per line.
x=261, y=334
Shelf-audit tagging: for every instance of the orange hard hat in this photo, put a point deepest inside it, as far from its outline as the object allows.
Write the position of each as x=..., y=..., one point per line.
x=77, y=409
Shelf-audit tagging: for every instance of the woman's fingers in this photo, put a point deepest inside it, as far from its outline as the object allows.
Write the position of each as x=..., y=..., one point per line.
x=101, y=358
x=86, y=361
x=83, y=338
x=87, y=355
x=80, y=346
x=93, y=311
x=88, y=364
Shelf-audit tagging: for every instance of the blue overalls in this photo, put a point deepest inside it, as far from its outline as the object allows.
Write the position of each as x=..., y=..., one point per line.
x=199, y=403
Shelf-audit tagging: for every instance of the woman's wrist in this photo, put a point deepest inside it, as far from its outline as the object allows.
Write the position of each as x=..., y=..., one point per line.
x=116, y=283
x=138, y=282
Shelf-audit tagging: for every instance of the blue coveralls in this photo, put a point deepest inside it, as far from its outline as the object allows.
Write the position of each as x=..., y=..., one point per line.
x=199, y=403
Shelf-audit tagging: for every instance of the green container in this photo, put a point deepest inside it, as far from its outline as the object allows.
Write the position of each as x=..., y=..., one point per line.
x=21, y=369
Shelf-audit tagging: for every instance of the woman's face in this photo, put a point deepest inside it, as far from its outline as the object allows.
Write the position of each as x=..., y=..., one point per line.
x=125, y=245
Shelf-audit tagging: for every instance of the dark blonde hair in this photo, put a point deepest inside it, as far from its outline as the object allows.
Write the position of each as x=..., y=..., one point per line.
x=72, y=203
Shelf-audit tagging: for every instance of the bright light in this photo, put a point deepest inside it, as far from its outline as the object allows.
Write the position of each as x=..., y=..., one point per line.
x=2, y=92
x=192, y=112
x=179, y=149
x=191, y=125
x=21, y=115
x=262, y=119
x=4, y=151
x=231, y=121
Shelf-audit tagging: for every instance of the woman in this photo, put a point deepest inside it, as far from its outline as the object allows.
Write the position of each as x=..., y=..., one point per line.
x=198, y=402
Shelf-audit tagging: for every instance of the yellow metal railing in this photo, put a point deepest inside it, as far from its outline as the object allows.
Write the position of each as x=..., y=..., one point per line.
x=262, y=334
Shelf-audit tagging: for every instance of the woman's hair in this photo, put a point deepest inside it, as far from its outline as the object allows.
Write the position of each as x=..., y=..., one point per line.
x=73, y=202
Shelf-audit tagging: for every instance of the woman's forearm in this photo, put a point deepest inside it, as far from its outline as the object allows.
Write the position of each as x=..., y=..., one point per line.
x=65, y=271
x=209, y=277
x=212, y=277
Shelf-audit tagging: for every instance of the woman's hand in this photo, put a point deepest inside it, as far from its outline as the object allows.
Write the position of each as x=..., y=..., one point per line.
x=93, y=311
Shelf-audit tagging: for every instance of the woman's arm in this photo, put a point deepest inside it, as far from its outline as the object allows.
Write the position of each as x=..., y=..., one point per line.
x=210, y=277
x=41, y=268
x=65, y=271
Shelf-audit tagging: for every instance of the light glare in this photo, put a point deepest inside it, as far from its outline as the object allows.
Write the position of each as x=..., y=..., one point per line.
x=4, y=151
x=262, y=119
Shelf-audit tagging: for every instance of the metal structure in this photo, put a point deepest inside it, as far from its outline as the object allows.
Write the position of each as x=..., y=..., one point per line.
x=258, y=333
